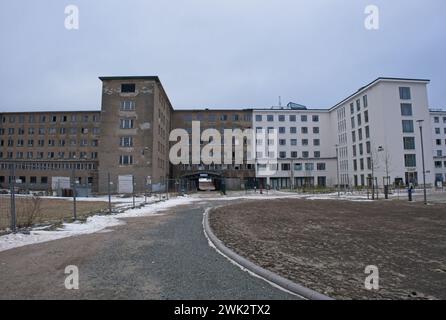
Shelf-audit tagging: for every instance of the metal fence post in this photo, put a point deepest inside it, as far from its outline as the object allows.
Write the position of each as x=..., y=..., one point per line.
x=133, y=191
x=109, y=194
x=13, y=209
x=74, y=192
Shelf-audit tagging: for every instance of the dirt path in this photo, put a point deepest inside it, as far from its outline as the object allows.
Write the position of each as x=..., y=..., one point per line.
x=154, y=257
x=326, y=245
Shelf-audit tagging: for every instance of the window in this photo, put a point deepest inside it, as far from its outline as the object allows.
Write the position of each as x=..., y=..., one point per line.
x=224, y=117
x=354, y=150
x=305, y=154
x=410, y=160
x=315, y=118
x=128, y=87
x=282, y=155
x=258, y=117
x=366, y=116
x=316, y=142
x=317, y=154
x=437, y=131
x=286, y=167
x=305, y=142
x=352, y=108
x=304, y=130
x=367, y=132
x=353, y=136
x=282, y=142
x=126, y=142
x=365, y=101
x=304, y=118
x=359, y=120
x=293, y=118
x=321, y=167
x=358, y=105
x=406, y=109
x=127, y=123
x=309, y=166
x=405, y=93
x=408, y=126
x=127, y=105
x=282, y=130
x=281, y=118
x=293, y=130
x=44, y=180
x=293, y=154
x=409, y=143
x=270, y=118
x=294, y=142
x=438, y=142
x=298, y=167
x=125, y=160
x=235, y=117
x=353, y=122
x=368, y=147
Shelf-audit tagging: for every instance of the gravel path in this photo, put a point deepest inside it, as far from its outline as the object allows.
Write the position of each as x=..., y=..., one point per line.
x=159, y=257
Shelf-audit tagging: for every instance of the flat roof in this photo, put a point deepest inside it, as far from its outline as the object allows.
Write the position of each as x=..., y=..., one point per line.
x=153, y=78
x=51, y=111
x=374, y=82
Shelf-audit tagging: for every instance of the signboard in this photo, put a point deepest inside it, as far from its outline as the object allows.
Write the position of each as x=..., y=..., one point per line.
x=125, y=184
x=58, y=183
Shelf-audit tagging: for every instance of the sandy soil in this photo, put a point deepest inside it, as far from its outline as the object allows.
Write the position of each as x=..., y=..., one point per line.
x=326, y=245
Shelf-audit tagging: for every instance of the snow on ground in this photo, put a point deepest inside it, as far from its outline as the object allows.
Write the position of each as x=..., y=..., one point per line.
x=102, y=223
x=93, y=224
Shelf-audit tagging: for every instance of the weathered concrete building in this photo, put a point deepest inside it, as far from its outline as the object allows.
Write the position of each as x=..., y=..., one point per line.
x=371, y=135
x=136, y=120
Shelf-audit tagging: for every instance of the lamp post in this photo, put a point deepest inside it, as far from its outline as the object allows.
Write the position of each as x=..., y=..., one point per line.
x=337, y=170
x=420, y=123
x=386, y=180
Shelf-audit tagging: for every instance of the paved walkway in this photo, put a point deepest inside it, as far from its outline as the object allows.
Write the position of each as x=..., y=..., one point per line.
x=161, y=257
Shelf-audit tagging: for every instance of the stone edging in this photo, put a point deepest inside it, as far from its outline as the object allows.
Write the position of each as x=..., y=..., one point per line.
x=267, y=275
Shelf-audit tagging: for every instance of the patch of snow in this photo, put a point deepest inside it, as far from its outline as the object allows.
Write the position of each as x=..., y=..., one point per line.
x=93, y=224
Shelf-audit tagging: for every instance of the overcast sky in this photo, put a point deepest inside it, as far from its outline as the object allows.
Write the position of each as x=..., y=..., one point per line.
x=217, y=53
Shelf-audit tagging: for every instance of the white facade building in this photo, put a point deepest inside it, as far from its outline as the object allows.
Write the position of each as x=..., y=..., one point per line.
x=438, y=123
x=372, y=133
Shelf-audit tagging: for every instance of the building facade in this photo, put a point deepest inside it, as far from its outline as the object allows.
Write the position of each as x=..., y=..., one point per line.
x=373, y=135
x=438, y=124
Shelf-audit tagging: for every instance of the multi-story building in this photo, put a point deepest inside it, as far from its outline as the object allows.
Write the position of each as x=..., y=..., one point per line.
x=236, y=175
x=135, y=126
x=438, y=124
x=303, y=155
x=378, y=136
x=374, y=134
x=44, y=147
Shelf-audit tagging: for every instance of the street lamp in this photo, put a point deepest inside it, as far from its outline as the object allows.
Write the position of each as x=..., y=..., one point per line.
x=420, y=123
x=337, y=169
x=386, y=180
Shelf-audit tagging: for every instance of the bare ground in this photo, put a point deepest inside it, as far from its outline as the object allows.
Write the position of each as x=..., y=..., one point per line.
x=326, y=245
x=47, y=210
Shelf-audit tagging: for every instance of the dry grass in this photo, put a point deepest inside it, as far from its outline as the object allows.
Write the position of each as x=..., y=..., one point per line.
x=32, y=211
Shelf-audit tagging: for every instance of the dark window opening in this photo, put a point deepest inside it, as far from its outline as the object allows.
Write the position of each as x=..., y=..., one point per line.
x=128, y=87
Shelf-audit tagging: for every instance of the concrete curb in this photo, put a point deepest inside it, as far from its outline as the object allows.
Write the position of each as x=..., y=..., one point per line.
x=267, y=275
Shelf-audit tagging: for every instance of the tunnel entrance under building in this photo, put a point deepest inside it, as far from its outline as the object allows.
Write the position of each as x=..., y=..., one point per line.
x=206, y=181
